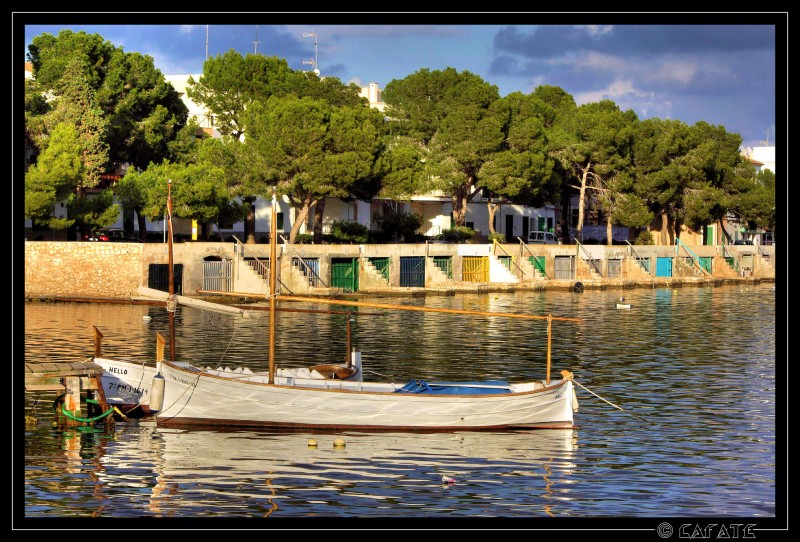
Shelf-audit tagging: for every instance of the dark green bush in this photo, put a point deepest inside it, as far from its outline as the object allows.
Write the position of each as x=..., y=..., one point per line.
x=398, y=228
x=458, y=234
x=348, y=232
x=644, y=238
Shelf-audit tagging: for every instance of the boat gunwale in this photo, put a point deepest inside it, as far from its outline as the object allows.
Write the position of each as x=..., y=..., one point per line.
x=211, y=423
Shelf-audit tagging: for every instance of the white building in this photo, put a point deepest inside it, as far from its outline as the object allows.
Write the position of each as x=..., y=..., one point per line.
x=762, y=157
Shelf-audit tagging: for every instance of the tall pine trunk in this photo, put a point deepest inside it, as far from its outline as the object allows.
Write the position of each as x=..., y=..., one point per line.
x=319, y=213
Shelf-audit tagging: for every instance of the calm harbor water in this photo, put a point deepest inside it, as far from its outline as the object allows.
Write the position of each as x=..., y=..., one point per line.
x=691, y=432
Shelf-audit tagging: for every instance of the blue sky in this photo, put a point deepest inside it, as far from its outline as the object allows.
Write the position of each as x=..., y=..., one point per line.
x=718, y=68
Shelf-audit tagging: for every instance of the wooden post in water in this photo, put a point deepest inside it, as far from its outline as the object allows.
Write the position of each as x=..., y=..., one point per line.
x=72, y=399
x=349, y=358
x=160, y=342
x=273, y=259
x=98, y=342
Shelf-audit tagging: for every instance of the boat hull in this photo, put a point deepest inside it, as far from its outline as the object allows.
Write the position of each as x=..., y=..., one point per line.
x=193, y=397
x=127, y=385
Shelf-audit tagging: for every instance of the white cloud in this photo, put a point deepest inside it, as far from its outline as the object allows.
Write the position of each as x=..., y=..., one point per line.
x=596, y=30
x=673, y=70
x=599, y=62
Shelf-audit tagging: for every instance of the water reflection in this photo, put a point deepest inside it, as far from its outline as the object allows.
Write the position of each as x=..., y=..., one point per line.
x=139, y=469
x=698, y=362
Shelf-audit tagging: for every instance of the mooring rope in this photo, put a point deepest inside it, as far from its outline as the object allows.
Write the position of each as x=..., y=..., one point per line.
x=612, y=404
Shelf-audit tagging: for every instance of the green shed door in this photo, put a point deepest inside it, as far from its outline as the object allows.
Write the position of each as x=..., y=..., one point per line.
x=344, y=274
x=709, y=235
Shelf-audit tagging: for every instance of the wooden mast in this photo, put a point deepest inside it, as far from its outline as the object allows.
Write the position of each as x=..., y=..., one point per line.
x=171, y=302
x=273, y=259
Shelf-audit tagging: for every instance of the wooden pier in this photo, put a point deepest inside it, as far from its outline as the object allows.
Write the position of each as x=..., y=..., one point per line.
x=80, y=385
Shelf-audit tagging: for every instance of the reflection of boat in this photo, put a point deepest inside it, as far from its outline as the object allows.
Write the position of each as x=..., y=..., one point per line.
x=248, y=473
x=183, y=394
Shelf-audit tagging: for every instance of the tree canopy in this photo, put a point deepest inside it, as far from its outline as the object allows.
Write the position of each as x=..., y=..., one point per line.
x=92, y=108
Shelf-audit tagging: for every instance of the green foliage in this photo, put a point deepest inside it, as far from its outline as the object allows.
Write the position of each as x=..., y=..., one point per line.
x=304, y=239
x=311, y=150
x=448, y=114
x=348, y=232
x=90, y=214
x=55, y=176
x=140, y=111
x=231, y=83
x=644, y=238
x=198, y=192
x=397, y=227
x=91, y=106
x=497, y=237
x=458, y=234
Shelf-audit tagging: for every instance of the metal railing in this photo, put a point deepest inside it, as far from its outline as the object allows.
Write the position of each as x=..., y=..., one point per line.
x=303, y=262
x=525, y=246
x=496, y=246
x=260, y=267
x=730, y=258
x=588, y=257
x=636, y=256
x=695, y=258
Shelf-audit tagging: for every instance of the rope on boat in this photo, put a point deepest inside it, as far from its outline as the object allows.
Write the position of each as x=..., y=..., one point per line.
x=612, y=404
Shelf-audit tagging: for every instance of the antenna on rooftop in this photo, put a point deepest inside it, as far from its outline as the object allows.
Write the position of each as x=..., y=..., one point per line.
x=206, y=42
x=767, y=141
x=315, y=61
x=255, y=43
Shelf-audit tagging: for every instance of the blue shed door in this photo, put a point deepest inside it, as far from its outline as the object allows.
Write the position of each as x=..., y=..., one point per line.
x=412, y=271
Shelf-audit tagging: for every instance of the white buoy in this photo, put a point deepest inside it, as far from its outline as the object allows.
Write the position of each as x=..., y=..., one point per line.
x=157, y=393
x=146, y=318
x=447, y=480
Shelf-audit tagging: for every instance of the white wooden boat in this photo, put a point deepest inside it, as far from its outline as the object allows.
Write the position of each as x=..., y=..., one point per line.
x=128, y=384
x=196, y=397
x=333, y=397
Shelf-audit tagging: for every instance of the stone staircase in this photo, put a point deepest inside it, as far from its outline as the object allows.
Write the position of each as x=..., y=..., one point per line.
x=586, y=271
x=435, y=276
x=531, y=273
x=372, y=276
x=498, y=272
x=251, y=278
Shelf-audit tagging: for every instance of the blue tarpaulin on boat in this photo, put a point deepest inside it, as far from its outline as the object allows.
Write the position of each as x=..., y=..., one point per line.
x=455, y=388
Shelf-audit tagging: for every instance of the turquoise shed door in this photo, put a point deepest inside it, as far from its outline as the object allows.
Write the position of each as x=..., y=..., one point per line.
x=663, y=267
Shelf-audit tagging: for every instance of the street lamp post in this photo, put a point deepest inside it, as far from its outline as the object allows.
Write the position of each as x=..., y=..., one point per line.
x=314, y=63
